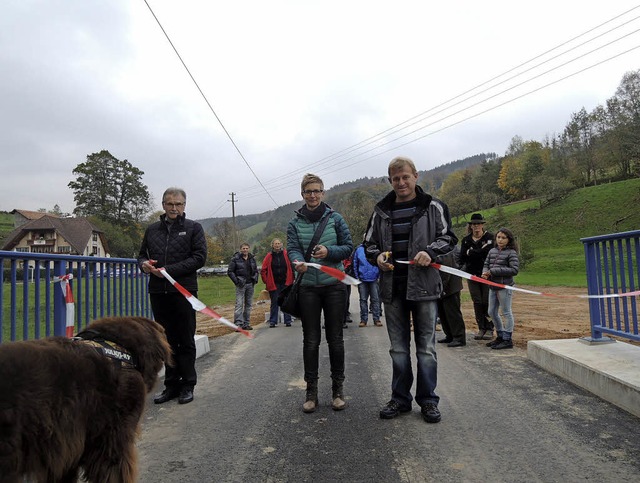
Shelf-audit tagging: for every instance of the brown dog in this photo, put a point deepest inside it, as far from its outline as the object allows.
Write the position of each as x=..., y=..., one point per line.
x=73, y=404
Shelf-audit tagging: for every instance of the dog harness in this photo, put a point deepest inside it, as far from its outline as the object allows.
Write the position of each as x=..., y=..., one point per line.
x=107, y=348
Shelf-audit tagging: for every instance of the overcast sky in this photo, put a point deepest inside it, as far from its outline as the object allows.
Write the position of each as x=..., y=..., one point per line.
x=298, y=85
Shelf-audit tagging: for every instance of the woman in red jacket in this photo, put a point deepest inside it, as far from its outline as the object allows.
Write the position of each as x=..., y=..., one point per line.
x=276, y=273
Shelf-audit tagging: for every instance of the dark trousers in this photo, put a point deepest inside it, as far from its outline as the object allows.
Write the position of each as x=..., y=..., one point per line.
x=315, y=300
x=480, y=295
x=174, y=312
x=451, y=317
x=347, y=314
x=273, y=311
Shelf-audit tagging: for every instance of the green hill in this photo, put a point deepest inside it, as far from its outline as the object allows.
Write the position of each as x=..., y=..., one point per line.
x=6, y=225
x=549, y=236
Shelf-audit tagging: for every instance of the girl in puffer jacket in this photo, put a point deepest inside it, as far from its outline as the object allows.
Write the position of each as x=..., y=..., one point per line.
x=500, y=266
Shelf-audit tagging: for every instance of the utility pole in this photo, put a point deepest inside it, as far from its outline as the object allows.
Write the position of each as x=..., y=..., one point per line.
x=233, y=217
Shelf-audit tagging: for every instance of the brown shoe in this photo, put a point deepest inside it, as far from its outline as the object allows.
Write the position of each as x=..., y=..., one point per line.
x=311, y=399
x=310, y=406
x=338, y=404
x=377, y=323
x=362, y=324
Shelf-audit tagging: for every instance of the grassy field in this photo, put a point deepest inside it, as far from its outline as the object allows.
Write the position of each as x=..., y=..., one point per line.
x=213, y=291
x=219, y=290
x=549, y=237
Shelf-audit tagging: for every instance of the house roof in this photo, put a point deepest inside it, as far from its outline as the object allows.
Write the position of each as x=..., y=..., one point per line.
x=33, y=215
x=76, y=231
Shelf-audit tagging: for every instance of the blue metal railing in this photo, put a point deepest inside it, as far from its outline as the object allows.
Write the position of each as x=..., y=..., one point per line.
x=612, y=267
x=36, y=305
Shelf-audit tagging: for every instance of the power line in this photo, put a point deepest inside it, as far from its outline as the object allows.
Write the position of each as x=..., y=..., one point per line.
x=208, y=104
x=315, y=166
x=336, y=167
x=281, y=182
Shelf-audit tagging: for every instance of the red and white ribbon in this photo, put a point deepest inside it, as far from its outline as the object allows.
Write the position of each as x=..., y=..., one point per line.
x=332, y=272
x=468, y=276
x=69, y=302
x=201, y=307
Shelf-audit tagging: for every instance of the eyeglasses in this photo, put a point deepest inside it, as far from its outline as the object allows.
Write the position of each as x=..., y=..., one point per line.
x=313, y=192
x=173, y=205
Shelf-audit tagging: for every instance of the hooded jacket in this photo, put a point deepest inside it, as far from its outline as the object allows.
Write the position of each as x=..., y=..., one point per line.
x=362, y=269
x=430, y=232
x=336, y=237
x=180, y=247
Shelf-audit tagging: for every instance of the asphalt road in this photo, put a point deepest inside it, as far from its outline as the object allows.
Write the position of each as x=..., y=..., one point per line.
x=503, y=420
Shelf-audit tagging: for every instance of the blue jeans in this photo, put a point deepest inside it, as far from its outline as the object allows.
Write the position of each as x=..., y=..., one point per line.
x=244, y=301
x=314, y=300
x=273, y=313
x=366, y=290
x=424, y=314
x=501, y=299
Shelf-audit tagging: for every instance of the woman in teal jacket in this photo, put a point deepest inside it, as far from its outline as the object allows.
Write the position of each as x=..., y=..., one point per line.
x=320, y=293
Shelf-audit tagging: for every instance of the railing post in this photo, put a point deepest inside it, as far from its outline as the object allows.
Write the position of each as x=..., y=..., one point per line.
x=593, y=288
x=59, y=304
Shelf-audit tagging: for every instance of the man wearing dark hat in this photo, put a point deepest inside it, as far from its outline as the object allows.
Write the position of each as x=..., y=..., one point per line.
x=473, y=251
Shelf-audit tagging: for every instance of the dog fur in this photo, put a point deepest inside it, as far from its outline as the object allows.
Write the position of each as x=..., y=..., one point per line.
x=68, y=411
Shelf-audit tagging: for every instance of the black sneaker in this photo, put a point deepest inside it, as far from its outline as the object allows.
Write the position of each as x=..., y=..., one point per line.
x=393, y=409
x=247, y=327
x=495, y=341
x=505, y=344
x=431, y=413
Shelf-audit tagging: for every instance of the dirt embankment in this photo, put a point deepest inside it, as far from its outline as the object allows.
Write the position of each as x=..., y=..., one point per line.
x=537, y=317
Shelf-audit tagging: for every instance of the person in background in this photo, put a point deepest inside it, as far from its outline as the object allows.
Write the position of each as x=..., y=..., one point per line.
x=473, y=251
x=348, y=269
x=368, y=288
x=243, y=272
x=410, y=225
x=501, y=265
x=276, y=274
x=319, y=292
x=178, y=245
x=449, y=303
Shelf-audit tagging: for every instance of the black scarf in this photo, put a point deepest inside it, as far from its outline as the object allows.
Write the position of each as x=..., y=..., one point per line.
x=314, y=215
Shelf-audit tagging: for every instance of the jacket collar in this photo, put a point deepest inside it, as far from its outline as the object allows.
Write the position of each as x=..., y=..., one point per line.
x=179, y=219
x=422, y=200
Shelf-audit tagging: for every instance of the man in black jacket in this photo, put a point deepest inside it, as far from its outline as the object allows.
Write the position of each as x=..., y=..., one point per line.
x=243, y=272
x=178, y=245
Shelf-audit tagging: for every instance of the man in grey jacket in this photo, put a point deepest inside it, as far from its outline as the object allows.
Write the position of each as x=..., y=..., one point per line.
x=408, y=225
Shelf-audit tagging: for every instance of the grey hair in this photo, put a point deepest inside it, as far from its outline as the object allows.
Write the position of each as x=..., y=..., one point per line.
x=174, y=191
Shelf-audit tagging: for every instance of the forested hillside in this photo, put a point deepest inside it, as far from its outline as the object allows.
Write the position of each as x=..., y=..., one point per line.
x=548, y=233
x=375, y=187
